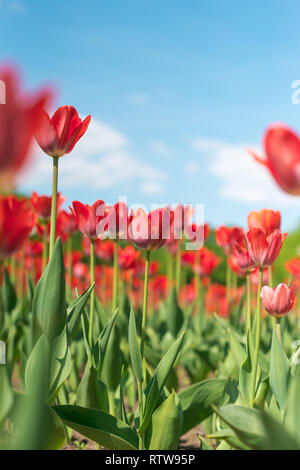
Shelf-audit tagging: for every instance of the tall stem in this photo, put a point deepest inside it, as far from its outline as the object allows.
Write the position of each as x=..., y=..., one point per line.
x=92, y=299
x=53, y=206
x=278, y=330
x=45, y=246
x=116, y=271
x=228, y=282
x=257, y=344
x=69, y=262
x=178, y=267
x=144, y=320
x=248, y=310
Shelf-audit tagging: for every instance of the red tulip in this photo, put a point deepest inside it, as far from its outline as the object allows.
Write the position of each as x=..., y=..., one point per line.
x=242, y=256
x=282, y=149
x=127, y=257
x=205, y=262
x=279, y=301
x=18, y=121
x=104, y=250
x=293, y=267
x=92, y=220
x=266, y=219
x=182, y=215
x=42, y=204
x=58, y=135
x=264, y=249
x=197, y=233
x=66, y=223
x=117, y=220
x=17, y=220
x=150, y=232
x=226, y=237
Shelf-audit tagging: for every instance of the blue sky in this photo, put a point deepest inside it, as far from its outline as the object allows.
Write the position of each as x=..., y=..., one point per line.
x=177, y=91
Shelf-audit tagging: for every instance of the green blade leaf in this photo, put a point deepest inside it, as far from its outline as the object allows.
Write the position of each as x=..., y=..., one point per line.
x=74, y=311
x=166, y=426
x=279, y=372
x=49, y=304
x=99, y=426
x=157, y=383
x=135, y=352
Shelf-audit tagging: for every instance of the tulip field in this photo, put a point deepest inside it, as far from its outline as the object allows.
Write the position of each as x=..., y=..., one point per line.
x=127, y=330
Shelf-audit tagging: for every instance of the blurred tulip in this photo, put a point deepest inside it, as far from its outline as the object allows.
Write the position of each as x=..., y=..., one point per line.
x=104, y=250
x=197, y=233
x=18, y=121
x=205, y=262
x=17, y=220
x=117, y=221
x=279, y=301
x=182, y=216
x=58, y=135
x=150, y=232
x=282, y=150
x=91, y=220
x=66, y=223
x=266, y=220
x=42, y=204
x=226, y=237
x=293, y=267
x=264, y=249
x=127, y=257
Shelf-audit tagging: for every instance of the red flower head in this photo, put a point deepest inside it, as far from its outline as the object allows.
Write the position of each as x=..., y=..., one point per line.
x=17, y=220
x=264, y=249
x=117, y=220
x=150, y=232
x=104, y=250
x=197, y=233
x=279, y=301
x=18, y=120
x=182, y=216
x=42, y=205
x=58, y=135
x=241, y=257
x=216, y=301
x=127, y=257
x=92, y=220
x=66, y=223
x=226, y=237
x=206, y=262
x=188, y=258
x=293, y=267
x=282, y=149
x=267, y=220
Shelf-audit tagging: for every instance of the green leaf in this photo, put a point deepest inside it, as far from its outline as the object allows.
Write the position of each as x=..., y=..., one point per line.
x=99, y=426
x=174, y=315
x=6, y=394
x=111, y=369
x=156, y=385
x=9, y=293
x=92, y=393
x=165, y=426
x=279, y=372
x=74, y=311
x=204, y=445
x=104, y=339
x=292, y=413
x=49, y=305
x=135, y=353
x=196, y=401
x=238, y=351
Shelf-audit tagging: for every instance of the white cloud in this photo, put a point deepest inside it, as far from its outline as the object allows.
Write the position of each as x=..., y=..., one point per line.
x=159, y=147
x=99, y=161
x=14, y=6
x=241, y=178
x=137, y=99
x=192, y=167
x=151, y=188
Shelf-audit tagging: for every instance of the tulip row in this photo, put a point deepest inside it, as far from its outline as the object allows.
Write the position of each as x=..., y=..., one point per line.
x=115, y=331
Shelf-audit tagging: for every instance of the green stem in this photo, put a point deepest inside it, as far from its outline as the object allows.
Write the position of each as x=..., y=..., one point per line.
x=178, y=266
x=53, y=206
x=248, y=309
x=228, y=282
x=45, y=246
x=278, y=330
x=144, y=320
x=115, y=281
x=69, y=262
x=141, y=413
x=257, y=344
x=270, y=270
x=92, y=299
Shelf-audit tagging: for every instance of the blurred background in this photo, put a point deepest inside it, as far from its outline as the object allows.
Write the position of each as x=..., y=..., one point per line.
x=177, y=92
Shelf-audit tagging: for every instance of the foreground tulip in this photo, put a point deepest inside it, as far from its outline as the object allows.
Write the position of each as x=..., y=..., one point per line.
x=264, y=249
x=266, y=220
x=92, y=224
x=17, y=219
x=19, y=117
x=58, y=136
x=282, y=150
x=279, y=301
